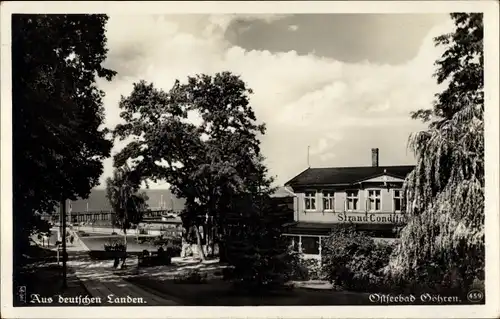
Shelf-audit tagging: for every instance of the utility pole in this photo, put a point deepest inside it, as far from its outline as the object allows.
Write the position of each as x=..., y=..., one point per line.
x=64, y=257
x=70, y=210
x=59, y=237
x=308, y=165
x=172, y=203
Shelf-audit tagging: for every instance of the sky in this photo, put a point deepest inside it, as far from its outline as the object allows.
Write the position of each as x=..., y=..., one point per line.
x=339, y=84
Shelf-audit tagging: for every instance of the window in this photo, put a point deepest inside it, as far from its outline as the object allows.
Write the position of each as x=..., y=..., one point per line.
x=398, y=200
x=310, y=245
x=373, y=200
x=352, y=200
x=329, y=201
x=310, y=200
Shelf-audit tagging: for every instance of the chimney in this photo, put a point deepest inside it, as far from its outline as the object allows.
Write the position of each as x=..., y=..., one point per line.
x=375, y=157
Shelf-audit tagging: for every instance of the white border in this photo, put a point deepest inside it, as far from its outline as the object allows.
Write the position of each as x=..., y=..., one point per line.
x=491, y=45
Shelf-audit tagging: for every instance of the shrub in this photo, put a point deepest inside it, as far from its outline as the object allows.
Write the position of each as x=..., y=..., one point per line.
x=477, y=284
x=298, y=270
x=174, y=250
x=353, y=261
x=304, y=269
x=367, y=269
x=314, y=269
x=171, y=244
x=227, y=273
x=439, y=275
x=148, y=259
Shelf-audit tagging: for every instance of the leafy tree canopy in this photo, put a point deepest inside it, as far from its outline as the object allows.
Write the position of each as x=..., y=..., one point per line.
x=219, y=155
x=58, y=143
x=445, y=192
x=122, y=191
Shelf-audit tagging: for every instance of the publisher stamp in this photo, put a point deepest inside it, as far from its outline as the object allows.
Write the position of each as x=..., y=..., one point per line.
x=21, y=293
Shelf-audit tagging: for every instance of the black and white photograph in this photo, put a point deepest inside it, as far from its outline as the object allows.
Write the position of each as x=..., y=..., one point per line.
x=236, y=159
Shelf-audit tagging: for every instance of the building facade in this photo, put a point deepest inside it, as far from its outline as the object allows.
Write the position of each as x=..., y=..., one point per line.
x=369, y=198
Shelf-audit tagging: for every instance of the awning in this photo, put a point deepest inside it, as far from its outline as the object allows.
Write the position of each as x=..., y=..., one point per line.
x=324, y=229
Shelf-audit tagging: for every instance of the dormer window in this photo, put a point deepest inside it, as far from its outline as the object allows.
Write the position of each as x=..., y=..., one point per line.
x=310, y=200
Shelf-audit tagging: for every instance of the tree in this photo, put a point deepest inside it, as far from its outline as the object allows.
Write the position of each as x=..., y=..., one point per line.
x=256, y=249
x=205, y=164
x=444, y=237
x=58, y=145
x=122, y=193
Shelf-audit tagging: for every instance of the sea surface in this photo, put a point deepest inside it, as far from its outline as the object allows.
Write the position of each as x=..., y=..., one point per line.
x=158, y=198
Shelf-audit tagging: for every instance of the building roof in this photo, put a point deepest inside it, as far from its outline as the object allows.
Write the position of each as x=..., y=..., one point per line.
x=346, y=175
x=282, y=192
x=323, y=229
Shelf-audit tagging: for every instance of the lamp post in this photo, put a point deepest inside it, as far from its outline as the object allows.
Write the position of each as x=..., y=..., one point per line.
x=64, y=255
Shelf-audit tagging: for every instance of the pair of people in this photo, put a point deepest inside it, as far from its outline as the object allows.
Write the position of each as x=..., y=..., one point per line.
x=70, y=239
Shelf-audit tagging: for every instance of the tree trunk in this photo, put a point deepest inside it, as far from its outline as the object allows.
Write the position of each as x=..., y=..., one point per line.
x=125, y=252
x=206, y=234
x=125, y=238
x=212, y=235
x=198, y=243
x=222, y=251
x=221, y=239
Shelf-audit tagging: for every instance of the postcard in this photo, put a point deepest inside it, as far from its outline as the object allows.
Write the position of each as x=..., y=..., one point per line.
x=291, y=159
